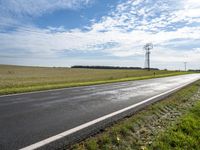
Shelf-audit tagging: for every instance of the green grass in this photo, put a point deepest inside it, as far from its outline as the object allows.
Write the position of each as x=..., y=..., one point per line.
x=123, y=134
x=16, y=79
x=185, y=134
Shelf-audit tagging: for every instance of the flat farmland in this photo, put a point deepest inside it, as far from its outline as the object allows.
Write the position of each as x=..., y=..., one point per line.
x=16, y=79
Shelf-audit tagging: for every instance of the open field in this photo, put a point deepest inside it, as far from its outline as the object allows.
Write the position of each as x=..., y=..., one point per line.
x=15, y=79
x=172, y=123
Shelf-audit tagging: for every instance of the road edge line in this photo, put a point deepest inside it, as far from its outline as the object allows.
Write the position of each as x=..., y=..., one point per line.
x=90, y=123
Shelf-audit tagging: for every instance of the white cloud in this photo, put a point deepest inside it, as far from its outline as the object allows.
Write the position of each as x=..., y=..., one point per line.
x=130, y=26
x=190, y=4
x=18, y=12
x=38, y=7
x=129, y=44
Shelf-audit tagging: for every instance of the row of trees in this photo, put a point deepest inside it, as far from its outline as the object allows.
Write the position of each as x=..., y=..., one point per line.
x=194, y=70
x=111, y=67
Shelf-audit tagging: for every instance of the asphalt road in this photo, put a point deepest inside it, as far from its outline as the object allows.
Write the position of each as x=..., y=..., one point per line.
x=29, y=118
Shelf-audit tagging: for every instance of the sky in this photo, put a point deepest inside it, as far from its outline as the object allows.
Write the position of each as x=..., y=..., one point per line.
x=100, y=32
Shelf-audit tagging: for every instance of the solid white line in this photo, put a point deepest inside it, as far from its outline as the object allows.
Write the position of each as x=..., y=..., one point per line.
x=85, y=125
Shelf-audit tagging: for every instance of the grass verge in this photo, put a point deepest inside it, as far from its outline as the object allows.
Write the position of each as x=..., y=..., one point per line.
x=185, y=134
x=19, y=79
x=48, y=86
x=142, y=130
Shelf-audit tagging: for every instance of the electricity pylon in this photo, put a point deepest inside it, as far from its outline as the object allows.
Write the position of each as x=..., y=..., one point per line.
x=147, y=48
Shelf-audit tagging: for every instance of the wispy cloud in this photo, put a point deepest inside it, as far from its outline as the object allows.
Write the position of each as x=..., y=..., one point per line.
x=173, y=27
x=16, y=11
x=38, y=7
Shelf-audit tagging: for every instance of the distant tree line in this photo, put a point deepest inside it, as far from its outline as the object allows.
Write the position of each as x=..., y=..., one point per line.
x=194, y=70
x=151, y=69
x=111, y=67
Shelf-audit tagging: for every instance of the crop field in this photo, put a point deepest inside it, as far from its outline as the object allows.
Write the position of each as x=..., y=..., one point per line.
x=15, y=79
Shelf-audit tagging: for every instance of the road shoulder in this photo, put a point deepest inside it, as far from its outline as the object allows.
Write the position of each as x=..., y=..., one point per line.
x=140, y=130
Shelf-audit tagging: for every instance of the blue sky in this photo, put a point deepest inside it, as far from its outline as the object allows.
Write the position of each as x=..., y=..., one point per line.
x=100, y=32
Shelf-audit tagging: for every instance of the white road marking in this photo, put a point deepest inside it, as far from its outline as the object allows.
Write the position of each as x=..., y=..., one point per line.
x=85, y=125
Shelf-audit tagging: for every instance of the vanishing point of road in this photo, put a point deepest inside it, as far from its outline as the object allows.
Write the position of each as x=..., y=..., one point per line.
x=33, y=119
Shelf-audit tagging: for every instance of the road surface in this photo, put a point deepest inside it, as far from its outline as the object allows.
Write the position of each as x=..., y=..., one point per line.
x=26, y=119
